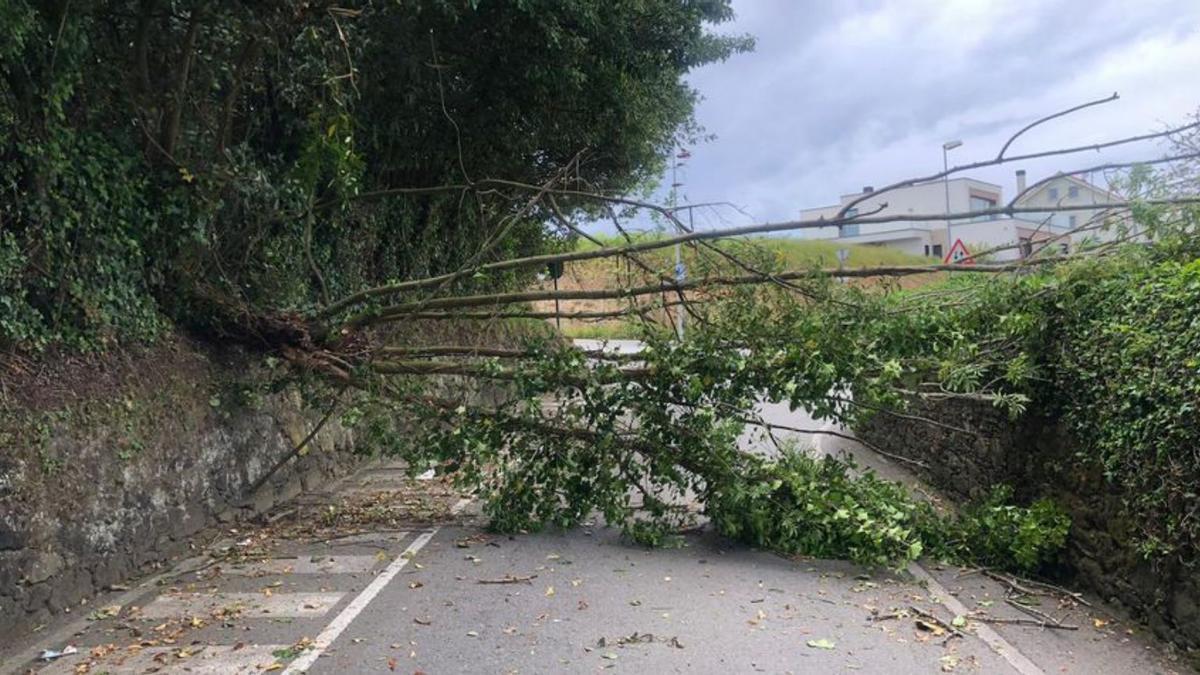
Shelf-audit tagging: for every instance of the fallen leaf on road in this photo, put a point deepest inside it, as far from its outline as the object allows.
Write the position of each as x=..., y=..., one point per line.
x=959, y=621
x=422, y=622
x=415, y=584
x=549, y=591
x=822, y=643
x=949, y=661
x=1099, y=623
x=105, y=613
x=391, y=663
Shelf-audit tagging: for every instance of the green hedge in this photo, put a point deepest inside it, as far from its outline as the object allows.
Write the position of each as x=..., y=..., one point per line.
x=1127, y=380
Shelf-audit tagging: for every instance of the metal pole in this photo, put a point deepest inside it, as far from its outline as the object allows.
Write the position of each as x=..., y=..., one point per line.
x=946, y=182
x=946, y=148
x=557, y=315
x=678, y=248
x=682, y=316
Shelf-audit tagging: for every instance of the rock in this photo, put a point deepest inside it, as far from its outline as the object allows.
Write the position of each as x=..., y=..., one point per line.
x=43, y=566
x=1183, y=607
x=10, y=540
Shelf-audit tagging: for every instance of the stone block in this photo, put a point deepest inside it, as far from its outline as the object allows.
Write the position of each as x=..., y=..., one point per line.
x=43, y=566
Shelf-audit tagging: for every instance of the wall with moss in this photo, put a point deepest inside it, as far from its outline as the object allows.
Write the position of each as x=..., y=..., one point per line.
x=1038, y=456
x=109, y=466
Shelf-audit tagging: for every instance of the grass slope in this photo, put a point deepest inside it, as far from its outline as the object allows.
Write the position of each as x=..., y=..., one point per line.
x=786, y=252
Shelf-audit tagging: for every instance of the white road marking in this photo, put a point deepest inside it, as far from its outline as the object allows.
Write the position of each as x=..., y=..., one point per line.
x=991, y=638
x=347, y=616
x=203, y=660
x=252, y=605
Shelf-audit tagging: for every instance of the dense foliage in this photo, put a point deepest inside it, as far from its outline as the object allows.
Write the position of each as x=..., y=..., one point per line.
x=239, y=167
x=636, y=438
x=210, y=161
x=1127, y=378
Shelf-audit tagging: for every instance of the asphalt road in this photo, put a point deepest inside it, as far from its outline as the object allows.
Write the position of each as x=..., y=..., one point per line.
x=378, y=592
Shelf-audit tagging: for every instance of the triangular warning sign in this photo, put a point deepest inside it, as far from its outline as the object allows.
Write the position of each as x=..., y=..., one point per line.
x=959, y=255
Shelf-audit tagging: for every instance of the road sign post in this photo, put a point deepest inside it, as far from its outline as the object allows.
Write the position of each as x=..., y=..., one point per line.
x=555, y=270
x=958, y=255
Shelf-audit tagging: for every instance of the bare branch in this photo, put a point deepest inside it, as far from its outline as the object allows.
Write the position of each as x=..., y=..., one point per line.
x=498, y=299
x=1047, y=118
x=1095, y=147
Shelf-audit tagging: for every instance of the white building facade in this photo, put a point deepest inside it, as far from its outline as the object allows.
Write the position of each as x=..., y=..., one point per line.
x=1091, y=201
x=991, y=237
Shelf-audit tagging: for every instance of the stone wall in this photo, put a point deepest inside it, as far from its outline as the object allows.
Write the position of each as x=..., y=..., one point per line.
x=1037, y=457
x=131, y=459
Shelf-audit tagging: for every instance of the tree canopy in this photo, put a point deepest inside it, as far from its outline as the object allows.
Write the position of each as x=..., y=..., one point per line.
x=200, y=159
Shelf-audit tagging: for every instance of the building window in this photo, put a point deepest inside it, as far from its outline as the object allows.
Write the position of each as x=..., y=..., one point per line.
x=1026, y=247
x=982, y=204
x=1073, y=192
x=852, y=212
x=1053, y=192
x=850, y=230
x=1071, y=221
x=926, y=250
x=937, y=250
x=1065, y=248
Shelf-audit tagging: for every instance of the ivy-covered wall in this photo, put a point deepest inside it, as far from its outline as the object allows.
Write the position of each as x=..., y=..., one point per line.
x=1038, y=456
x=107, y=466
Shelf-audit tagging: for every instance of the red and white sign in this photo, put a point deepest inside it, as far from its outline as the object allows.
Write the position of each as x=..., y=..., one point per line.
x=959, y=255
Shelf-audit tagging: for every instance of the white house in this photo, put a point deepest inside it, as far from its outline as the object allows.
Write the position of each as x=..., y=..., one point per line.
x=927, y=236
x=1005, y=238
x=1068, y=190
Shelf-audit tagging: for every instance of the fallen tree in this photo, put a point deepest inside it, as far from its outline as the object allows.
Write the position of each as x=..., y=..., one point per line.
x=280, y=191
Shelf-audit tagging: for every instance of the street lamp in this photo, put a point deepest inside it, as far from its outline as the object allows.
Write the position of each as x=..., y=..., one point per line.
x=680, y=272
x=946, y=148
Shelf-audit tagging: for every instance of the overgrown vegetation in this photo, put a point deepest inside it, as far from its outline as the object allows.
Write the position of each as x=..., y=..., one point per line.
x=1126, y=373
x=309, y=178
x=826, y=507
x=218, y=164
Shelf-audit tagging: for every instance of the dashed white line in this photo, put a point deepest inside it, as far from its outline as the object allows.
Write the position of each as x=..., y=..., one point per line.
x=360, y=602
x=991, y=638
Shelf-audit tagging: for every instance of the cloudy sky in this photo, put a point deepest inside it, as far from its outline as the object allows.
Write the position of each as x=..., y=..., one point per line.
x=843, y=94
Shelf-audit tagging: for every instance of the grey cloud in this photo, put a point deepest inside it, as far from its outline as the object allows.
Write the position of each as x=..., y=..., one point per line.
x=821, y=107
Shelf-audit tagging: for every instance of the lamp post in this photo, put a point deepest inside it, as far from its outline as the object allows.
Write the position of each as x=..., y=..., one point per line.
x=680, y=269
x=946, y=148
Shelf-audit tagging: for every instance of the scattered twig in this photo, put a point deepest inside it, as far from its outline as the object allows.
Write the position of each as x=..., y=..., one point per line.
x=1022, y=586
x=1033, y=612
x=1024, y=622
x=934, y=619
x=510, y=579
